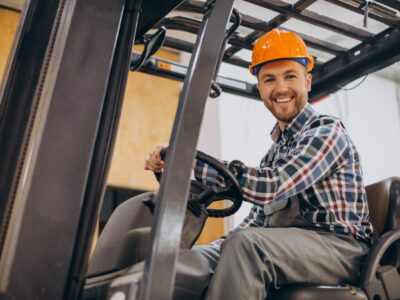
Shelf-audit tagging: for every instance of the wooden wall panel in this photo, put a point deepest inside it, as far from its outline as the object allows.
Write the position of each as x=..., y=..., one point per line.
x=8, y=26
x=147, y=118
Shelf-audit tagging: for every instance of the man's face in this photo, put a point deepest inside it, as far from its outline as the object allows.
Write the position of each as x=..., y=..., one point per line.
x=284, y=87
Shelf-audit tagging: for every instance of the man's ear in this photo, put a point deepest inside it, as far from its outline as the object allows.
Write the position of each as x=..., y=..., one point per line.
x=308, y=81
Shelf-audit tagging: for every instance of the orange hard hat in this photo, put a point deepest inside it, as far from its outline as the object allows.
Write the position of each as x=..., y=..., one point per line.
x=280, y=44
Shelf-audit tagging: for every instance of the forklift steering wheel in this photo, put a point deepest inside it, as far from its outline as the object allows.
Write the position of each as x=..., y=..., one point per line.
x=203, y=195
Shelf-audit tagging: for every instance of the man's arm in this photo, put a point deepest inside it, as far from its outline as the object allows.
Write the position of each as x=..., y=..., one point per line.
x=255, y=218
x=207, y=174
x=322, y=148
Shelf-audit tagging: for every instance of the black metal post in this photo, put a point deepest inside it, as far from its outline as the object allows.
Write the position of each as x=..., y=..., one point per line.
x=159, y=274
x=40, y=242
x=17, y=95
x=103, y=148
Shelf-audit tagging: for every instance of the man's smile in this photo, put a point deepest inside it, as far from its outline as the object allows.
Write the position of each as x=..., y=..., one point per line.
x=282, y=100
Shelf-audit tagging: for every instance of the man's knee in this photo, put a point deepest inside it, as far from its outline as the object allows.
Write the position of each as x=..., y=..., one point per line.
x=240, y=240
x=266, y=241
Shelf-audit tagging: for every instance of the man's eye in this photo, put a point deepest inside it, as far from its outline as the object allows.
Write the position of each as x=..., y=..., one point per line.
x=268, y=80
x=291, y=76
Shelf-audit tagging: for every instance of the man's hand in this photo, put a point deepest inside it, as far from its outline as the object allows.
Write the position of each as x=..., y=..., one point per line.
x=153, y=160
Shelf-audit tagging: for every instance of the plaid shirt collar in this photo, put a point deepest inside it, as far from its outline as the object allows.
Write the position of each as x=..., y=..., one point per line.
x=294, y=127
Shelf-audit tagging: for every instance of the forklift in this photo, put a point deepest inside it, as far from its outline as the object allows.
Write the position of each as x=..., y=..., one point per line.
x=60, y=102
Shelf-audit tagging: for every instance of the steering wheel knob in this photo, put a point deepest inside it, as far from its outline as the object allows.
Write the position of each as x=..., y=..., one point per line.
x=237, y=167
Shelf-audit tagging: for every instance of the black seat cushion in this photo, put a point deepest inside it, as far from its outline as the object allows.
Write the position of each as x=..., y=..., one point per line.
x=112, y=246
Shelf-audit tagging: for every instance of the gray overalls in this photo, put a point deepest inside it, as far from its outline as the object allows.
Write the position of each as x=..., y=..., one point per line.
x=249, y=261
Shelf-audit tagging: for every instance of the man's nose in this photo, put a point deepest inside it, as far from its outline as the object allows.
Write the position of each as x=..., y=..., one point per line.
x=281, y=85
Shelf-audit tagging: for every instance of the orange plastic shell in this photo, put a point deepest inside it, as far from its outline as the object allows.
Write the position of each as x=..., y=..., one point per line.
x=279, y=44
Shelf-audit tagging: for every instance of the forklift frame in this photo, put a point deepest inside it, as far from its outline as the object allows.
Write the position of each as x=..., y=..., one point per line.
x=57, y=133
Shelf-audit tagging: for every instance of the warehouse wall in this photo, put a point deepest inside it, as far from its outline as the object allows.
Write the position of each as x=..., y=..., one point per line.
x=8, y=26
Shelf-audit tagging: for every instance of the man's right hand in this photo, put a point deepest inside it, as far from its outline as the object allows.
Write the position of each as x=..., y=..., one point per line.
x=153, y=161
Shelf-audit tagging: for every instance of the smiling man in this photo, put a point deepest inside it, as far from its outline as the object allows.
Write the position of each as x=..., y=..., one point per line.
x=309, y=222
x=283, y=87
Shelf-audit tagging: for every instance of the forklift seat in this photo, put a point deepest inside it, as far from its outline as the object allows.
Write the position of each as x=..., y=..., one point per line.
x=379, y=278
x=124, y=244
x=125, y=240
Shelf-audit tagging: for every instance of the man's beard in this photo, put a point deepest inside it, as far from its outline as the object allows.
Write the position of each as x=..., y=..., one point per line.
x=287, y=116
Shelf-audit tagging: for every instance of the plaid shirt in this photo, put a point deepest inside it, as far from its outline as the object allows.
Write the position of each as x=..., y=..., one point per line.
x=315, y=160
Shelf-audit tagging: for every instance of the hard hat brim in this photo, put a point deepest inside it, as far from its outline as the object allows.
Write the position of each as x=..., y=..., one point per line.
x=304, y=61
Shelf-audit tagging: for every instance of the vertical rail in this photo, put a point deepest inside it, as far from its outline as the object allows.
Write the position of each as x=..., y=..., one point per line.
x=18, y=105
x=159, y=273
x=103, y=147
x=39, y=246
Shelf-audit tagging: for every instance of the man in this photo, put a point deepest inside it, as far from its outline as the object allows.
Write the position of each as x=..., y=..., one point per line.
x=309, y=222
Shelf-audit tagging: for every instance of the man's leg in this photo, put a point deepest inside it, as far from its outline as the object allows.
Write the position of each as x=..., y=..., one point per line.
x=253, y=259
x=211, y=252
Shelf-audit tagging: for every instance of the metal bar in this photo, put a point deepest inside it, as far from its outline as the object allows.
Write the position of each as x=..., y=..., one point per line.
x=237, y=61
x=391, y=3
x=327, y=47
x=48, y=202
x=181, y=23
x=178, y=44
x=257, y=24
x=238, y=43
x=192, y=26
x=315, y=19
x=387, y=19
x=17, y=104
x=252, y=23
x=159, y=273
x=262, y=27
x=303, y=4
x=101, y=158
x=188, y=47
x=275, y=22
x=193, y=6
x=174, y=71
x=150, y=16
x=361, y=60
x=248, y=41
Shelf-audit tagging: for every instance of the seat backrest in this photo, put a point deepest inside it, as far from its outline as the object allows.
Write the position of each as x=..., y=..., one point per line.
x=110, y=251
x=384, y=207
x=384, y=204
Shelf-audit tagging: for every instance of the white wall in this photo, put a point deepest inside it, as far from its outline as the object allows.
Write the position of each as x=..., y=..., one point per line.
x=371, y=114
x=238, y=128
